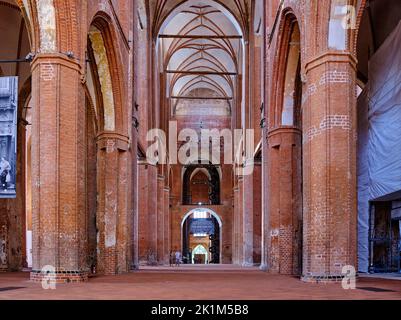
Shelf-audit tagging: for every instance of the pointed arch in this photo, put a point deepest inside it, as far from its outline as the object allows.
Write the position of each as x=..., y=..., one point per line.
x=102, y=42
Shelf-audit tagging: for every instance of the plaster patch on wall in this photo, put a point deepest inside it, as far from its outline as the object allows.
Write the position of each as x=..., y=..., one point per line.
x=47, y=25
x=274, y=232
x=103, y=69
x=329, y=122
x=47, y=72
x=110, y=220
x=3, y=248
x=27, y=9
x=329, y=77
x=111, y=146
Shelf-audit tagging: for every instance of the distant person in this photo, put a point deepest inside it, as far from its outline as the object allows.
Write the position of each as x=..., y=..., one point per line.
x=177, y=258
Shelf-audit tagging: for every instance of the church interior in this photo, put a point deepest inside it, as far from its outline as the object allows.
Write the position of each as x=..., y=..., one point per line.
x=255, y=144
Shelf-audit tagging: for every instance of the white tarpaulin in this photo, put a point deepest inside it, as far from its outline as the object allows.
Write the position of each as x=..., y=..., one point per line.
x=379, y=135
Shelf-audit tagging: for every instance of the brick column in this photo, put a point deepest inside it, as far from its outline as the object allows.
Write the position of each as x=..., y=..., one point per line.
x=240, y=215
x=265, y=212
x=236, y=233
x=134, y=219
x=143, y=230
x=247, y=220
x=285, y=200
x=58, y=170
x=112, y=209
x=152, y=215
x=160, y=219
x=329, y=147
x=167, y=222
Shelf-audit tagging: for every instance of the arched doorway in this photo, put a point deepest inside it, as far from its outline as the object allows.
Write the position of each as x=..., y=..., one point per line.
x=200, y=255
x=201, y=185
x=201, y=227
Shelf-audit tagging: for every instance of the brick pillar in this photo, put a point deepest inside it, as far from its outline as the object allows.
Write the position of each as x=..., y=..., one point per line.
x=240, y=214
x=134, y=220
x=58, y=170
x=329, y=147
x=152, y=215
x=143, y=229
x=235, y=236
x=265, y=216
x=167, y=241
x=285, y=200
x=257, y=212
x=247, y=221
x=112, y=217
x=160, y=219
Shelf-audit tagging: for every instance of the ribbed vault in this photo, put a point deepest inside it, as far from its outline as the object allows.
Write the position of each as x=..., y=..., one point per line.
x=201, y=51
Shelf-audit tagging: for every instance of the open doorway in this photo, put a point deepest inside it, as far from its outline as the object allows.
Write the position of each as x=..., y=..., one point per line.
x=201, y=237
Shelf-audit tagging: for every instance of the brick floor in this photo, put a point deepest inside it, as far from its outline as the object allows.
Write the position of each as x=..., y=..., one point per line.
x=195, y=283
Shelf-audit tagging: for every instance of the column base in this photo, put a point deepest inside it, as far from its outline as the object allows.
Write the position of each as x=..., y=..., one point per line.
x=59, y=276
x=134, y=267
x=322, y=278
x=263, y=267
x=247, y=264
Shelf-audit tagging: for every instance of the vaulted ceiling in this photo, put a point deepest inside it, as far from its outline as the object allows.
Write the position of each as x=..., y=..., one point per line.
x=161, y=9
x=200, y=46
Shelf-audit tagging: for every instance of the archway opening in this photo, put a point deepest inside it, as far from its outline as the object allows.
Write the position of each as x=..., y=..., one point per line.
x=200, y=255
x=15, y=133
x=100, y=118
x=201, y=228
x=286, y=155
x=201, y=185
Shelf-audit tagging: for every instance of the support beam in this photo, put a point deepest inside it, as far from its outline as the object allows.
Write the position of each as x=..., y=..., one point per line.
x=191, y=36
x=200, y=98
x=201, y=73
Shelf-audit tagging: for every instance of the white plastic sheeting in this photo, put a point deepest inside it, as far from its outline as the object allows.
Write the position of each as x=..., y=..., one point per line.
x=379, y=135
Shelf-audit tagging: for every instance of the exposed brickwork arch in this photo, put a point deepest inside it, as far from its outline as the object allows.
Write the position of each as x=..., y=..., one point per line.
x=354, y=34
x=67, y=22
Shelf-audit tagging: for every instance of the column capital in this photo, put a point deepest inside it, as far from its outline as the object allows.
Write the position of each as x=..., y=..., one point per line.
x=113, y=140
x=56, y=58
x=283, y=130
x=331, y=57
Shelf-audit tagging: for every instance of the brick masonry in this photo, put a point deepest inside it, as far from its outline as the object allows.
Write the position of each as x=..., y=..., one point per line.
x=87, y=197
